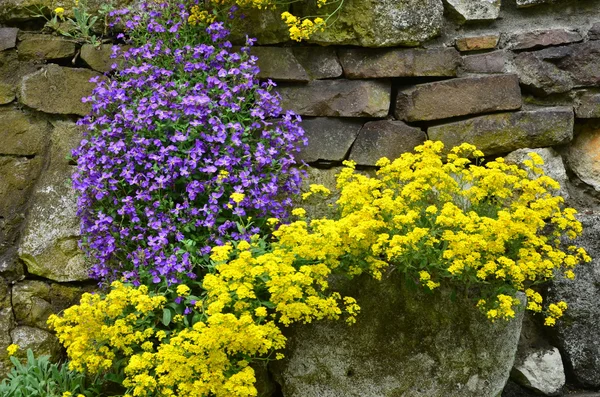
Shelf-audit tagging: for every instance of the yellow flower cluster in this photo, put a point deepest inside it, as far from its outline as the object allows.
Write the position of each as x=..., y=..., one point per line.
x=12, y=349
x=200, y=16
x=302, y=28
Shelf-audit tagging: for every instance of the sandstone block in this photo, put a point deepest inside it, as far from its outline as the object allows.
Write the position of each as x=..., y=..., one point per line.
x=99, y=57
x=477, y=42
x=582, y=62
x=587, y=106
x=329, y=139
x=62, y=90
x=8, y=38
x=319, y=62
x=385, y=138
x=458, y=97
x=540, y=77
x=338, y=98
x=505, y=132
x=361, y=63
x=476, y=10
x=380, y=23
x=279, y=63
x=22, y=134
x=491, y=62
x=542, y=38
x=45, y=47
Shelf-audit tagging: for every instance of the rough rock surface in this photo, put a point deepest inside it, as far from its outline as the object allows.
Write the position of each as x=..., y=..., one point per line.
x=7, y=322
x=99, y=57
x=542, y=38
x=23, y=10
x=319, y=62
x=540, y=370
x=318, y=206
x=338, y=98
x=594, y=32
x=380, y=23
x=475, y=43
x=279, y=63
x=40, y=341
x=458, y=97
x=49, y=242
x=8, y=38
x=529, y=3
x=329, y=139
x=578, y=331
x=385, y=138
x=540, y=77
x=490, y=62
x=553, y=167
x=587, y=105
x=476, y=10
x=405, y=343
x=264, y=25
x=505, y=132
x=45, y=47
x=582, y=154
x=361, y=63
x=23, y=134
x=63, y=89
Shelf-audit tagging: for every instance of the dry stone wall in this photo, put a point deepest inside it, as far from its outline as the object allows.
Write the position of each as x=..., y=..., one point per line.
x=506, y=75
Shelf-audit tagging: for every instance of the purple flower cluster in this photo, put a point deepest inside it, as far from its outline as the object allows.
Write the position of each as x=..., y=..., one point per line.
x=169, y=140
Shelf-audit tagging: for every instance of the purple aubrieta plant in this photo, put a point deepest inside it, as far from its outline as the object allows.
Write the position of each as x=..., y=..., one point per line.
x=184, y=149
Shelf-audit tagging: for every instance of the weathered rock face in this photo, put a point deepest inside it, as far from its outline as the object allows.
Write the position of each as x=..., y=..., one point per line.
x=8, y=38
x=542, y=38
x=540, y=370
x=40, y=341
x=264, y=25
x=385, y=138
x=405, y=343
x=7, y=322
x=99, y=57
x=11, y=72
x=578, y=331
x=279, y=63
x=63, y=89
x=378, y=63
x=49, y=242
x=45, y=47
x=319, y=62
x=329, y=139
x=582, y=154
x=23, y=134
x=553, y=165
x=382, y=23
x=22, y=10
x=540, y=77
x=587, y=106
x=491, y=62
x=476, y=10
x=458, y=97
x=505, y=132
x=474, y=43
x=338, y=98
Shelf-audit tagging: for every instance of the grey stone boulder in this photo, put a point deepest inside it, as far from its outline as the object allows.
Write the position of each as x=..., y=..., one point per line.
x=42, y=47
x=364, y=63
x=582, y=153
x=379, y=23
x=8, y=38
x=405, y=343
x=279, y=63
x=49, y=241
x=319, y=62
x=329, y=138
x=338, y=98
x=62, y=90
x=540, y=370
x=475, y=10
x=541, y=77
x=458, y=97
x=587, y=105
x=505, y=132
x=578, y=331
x=22, y=133
x=41, y=342
x=100, y=58
x=385, y=138
x=553, y=167
x=582, y=62
x=541, y=38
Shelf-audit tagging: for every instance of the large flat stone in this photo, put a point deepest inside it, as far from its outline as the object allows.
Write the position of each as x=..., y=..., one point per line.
x=319, y=62
x=476, y=10
x=57, y=89
x=361, y=63
x=578, y=331
x=329, y=139
x=505, y=132
x=385, y=138
x=582, y=154
x=279, y=63
x=379, y=23
x=587, y=105
x=45, y=47
x=338, y=98
x=490, y=62
x=21, y=133
x=49, y=242
x=541, y=77
x=405, y=343
x=458, y=97
x=8, y=38
x=540, y=370
x=542, y=38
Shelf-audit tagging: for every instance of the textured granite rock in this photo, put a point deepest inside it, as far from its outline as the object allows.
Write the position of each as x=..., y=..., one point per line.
x=8, y=38
x=582, y=154
x=385, y=138
x=319, y=62
x=475, y=10
x=542, y=38
x=505, y=132
x=587, y=105
x=540, y=370
x=329, y=139
x=45, y=47
x=458, y=97
x=279, y=63
x=541, y=77
x=338, y=98
x=490, y=62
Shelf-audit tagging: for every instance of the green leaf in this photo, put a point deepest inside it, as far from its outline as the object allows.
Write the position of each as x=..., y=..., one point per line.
x=167, y=316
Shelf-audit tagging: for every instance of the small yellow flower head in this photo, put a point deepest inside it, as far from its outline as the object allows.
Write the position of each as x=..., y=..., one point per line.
x=12, y=349
x=260, y=311
x=279, y=356
x=67, y=394
x=59, y=11
x=237, y=197
x=243, y=245
x=550, y=322
x=272, y=221
x=299, y=212
x=183, y=290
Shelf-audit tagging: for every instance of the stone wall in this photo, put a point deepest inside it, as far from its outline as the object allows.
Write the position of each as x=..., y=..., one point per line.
x=504, y=75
